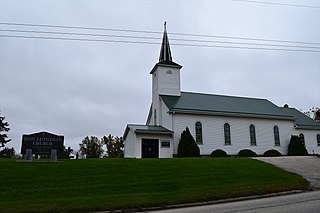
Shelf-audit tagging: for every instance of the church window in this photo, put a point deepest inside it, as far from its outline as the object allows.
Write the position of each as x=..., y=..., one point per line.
x=318, y=139
x=253, y=141
x=276, y=136
x=169, y=72
x=155, y=117
x=301, y=136
x=198, y=132
x=227, y=135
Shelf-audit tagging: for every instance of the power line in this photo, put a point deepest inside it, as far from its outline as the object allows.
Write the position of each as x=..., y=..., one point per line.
x=143, y=42
x=155, y=32
x=157, y=38
x=281, y=4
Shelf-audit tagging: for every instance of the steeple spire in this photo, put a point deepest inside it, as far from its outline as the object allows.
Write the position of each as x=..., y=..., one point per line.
x=165, y=53
x=165, y=58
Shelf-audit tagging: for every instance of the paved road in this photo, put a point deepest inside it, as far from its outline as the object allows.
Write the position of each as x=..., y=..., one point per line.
x=306, y=166
x=308, y=202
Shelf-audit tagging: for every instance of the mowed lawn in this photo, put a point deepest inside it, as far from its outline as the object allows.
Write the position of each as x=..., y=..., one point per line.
x=109, y=184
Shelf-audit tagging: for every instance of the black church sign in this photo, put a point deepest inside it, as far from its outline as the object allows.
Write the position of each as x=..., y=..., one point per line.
x=42, y=143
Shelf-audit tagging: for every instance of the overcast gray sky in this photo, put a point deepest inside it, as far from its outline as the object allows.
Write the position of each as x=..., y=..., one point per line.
x=82, y=88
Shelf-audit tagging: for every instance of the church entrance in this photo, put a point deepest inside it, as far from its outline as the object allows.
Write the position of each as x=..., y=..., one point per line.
x=150, y=148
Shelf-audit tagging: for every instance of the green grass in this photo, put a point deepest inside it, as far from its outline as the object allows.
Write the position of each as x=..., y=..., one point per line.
x=108, y=184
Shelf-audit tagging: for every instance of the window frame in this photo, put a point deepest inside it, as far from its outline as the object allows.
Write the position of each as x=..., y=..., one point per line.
x=276, y=134
x=227, y=134
x=301, y=137
x=318, y=139
x=252, y=133
x=198, y=131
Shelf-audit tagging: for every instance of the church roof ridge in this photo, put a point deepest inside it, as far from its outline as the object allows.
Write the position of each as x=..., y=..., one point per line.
x=221, y=95
x=200, y=103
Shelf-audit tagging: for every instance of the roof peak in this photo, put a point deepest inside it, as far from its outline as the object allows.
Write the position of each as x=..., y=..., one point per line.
x=165, y=52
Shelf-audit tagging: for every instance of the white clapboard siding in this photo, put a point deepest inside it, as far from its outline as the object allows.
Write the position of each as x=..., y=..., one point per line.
x=163, y=152
x=166, y=81
x=213, y=133
x=310, y=138
x=166, y=120
x=130, y=145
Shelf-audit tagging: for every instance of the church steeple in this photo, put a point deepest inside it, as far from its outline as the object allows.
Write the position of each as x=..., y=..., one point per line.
x=165, y=81
x=165, y=53
x=165, y=58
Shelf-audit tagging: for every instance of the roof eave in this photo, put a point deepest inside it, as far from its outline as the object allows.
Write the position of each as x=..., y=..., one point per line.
x=154, y=132
x=307, y=127
x=231, y=114
x=165, y=65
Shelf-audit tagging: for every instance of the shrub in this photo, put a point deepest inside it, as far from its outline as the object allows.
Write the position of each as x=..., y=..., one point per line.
x=296, y=147
x=271, y=153
x=247, y=153
x=187, y=145
x=219, y=153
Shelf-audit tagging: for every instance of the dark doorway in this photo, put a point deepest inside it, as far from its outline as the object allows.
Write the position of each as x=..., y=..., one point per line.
x=150, y=148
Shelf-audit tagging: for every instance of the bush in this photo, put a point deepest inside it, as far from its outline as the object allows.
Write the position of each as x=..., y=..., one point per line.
x=7, y=153
x=271, y=153
x=296, y=147
x=219, y=153
x=187, y=145
x=247, y=153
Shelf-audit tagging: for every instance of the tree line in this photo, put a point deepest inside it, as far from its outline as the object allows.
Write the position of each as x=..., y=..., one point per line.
x=92, y=147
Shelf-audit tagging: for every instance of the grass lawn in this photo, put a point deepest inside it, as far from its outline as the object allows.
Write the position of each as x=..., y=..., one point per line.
x=108, y=184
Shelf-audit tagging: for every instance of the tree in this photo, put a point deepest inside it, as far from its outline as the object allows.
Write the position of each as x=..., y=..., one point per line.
x=296, y=147
x=7, y=153
x=114, y=146
x=187, y=145
x=91, y=147
x=314, y=113
x=67, y=152
x=4, y=127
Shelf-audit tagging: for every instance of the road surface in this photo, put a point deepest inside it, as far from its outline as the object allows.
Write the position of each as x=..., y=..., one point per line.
x=308, y=202
x=306, y=166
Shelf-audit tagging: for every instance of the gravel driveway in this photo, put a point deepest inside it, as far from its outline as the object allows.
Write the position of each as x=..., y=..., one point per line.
x=306, y=166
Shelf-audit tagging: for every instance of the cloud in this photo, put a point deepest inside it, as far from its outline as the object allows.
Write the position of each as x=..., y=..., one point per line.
x=94, y=88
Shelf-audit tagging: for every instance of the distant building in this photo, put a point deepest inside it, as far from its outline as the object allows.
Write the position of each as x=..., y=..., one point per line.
x=216, y=121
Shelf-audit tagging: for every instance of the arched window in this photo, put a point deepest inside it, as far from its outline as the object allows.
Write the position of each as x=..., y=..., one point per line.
x=318, y=139
x=301, y=136
x=155, y=117
x=198, y=132
x=276, y=136
x=227, y=135
x=253, y=141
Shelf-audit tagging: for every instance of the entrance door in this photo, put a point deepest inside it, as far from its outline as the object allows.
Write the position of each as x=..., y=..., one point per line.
x=150, y=148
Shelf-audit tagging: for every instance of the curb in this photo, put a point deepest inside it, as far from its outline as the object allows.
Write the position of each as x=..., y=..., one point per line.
x=228, y=200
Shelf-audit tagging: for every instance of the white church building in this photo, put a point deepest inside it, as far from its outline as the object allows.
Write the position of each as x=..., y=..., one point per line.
x=215, y=121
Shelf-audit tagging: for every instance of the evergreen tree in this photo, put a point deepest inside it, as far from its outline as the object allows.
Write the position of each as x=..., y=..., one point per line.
x=296, y=147
x=4, y=127
x=187, y=145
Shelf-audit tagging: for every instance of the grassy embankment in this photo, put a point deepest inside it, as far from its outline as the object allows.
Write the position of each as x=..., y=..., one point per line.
x=107, y=184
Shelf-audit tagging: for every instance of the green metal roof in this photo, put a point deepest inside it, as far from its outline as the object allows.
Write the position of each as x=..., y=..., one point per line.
x=301, y=120
x=137, y=128
x=199, y=103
